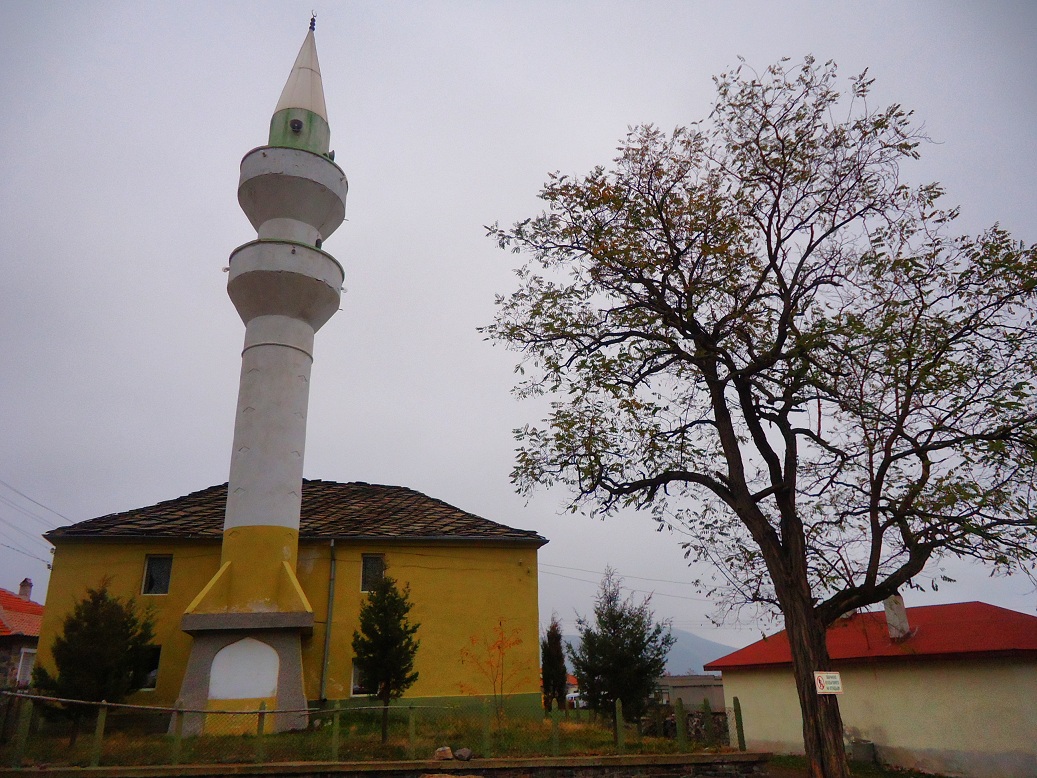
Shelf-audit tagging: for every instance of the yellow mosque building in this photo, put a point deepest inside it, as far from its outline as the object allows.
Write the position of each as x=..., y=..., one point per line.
x=255, y=586
x=467, y=575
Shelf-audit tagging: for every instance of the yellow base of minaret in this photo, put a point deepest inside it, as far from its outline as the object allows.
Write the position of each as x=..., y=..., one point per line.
x=256, y=575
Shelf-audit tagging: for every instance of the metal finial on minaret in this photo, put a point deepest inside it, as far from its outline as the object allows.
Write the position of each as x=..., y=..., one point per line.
x=313, y=21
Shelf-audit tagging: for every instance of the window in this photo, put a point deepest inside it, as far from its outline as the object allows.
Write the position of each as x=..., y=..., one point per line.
x=157, y=570
x=25, y=664
x=373, y=571
x=151, y=668
x=360, y=686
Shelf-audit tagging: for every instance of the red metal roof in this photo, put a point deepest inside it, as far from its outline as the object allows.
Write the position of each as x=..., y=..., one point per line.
x=963, y=628
x=18, y=616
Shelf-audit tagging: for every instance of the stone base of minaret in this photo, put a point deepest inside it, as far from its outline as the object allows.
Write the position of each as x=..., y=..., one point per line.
x=247, y=625
x=242, y=668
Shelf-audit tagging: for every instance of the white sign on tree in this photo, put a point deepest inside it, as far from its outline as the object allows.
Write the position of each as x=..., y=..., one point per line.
x=828, y=683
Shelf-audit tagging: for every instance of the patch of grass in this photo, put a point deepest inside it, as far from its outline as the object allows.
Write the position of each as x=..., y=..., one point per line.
x=859, y=769
x=359, y=740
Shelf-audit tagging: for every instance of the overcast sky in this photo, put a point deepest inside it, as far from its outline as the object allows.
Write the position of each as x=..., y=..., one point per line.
x=121, y=130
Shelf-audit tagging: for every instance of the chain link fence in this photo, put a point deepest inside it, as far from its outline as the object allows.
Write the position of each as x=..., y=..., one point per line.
x=37, y=730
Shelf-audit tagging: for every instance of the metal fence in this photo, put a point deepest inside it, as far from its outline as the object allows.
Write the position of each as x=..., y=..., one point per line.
x=37, y=730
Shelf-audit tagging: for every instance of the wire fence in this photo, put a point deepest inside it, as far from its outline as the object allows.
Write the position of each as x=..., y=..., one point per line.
x=37, y=730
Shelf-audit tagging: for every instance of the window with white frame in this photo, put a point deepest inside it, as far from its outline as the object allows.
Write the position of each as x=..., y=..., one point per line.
x=360, y=684
x=158, y=568
x=372, y=572
x=25, y=664
x=151, y=668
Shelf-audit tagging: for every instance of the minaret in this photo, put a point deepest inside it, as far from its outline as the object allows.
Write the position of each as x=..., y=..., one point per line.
x=248, y=621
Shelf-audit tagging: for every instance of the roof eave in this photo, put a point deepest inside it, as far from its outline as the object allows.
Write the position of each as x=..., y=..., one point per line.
x=1004, y=653
x=537, y=541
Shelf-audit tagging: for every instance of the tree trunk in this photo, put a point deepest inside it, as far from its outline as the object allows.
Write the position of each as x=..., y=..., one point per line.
x=74, y=734
x=822, y=723
x=385, y=719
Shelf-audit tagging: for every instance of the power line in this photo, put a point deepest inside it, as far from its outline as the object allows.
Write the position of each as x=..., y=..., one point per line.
x=27, y=534
x=26, y=553
x=11, y=503
x=599, y=572
x=631, y=589
x=35, y=502
x=624, y=577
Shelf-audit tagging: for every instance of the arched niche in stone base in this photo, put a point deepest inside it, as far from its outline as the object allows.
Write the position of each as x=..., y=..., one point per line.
x=246, y=669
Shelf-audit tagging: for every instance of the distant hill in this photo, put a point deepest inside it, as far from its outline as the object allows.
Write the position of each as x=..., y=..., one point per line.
x=689, y=653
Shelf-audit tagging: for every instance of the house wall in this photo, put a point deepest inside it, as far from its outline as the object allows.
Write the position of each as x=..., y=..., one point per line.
x=460, y=593
x=693, y=689
x=79, y=565
x=956, y=717
x=11, y=647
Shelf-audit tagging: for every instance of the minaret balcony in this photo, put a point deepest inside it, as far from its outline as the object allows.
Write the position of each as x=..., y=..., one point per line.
x=282, y=278
x=280, y=185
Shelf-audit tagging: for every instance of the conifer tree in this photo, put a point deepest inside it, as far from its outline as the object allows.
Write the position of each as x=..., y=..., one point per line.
x=621, y=653
x=104, y=652
x=384, y=646
x=552, y=665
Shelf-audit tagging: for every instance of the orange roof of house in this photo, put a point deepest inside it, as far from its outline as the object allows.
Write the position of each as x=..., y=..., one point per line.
x=18, y=616
x=959, y=629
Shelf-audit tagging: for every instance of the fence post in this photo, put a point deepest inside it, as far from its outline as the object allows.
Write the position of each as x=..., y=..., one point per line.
x=178, y=731
x=709, y=728
x=412, y=737
x=336, y=717
x=487, y=744
x=260, y=726
x=738, y=725
x=621, y=735
x=681, y=720
x=555, y=713
x=22, y=738
x=95, y=750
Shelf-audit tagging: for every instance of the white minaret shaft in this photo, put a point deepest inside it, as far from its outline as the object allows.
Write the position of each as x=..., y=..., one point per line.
x=248, y=620
x=285, y=288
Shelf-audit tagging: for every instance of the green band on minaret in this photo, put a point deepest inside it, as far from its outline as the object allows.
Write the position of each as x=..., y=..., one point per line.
x=298, y=128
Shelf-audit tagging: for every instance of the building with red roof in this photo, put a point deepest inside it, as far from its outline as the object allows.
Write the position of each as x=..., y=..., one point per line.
x=20, y=620
x=953, y=691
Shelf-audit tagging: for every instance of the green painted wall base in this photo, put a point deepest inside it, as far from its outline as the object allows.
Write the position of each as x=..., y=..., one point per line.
x=521, y=705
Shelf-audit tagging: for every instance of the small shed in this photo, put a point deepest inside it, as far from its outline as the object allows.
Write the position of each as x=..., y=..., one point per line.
x=952, y=691
x=692, y=690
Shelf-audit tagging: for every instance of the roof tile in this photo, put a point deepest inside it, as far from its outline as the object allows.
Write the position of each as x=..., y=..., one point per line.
x=349, y=511
x=18, y=616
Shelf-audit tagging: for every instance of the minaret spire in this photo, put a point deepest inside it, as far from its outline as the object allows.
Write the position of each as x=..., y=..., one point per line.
x=253, y=613
x=300, y=120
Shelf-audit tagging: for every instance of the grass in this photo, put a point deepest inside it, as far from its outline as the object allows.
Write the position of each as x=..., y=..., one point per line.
x=789, y=765
x=359, y=740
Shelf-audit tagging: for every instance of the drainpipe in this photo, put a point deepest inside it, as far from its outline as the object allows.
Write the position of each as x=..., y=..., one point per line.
x=327, y=626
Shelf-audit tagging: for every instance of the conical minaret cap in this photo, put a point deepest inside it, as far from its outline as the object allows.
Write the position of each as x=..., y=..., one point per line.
x=300, y=120
x=304, y=88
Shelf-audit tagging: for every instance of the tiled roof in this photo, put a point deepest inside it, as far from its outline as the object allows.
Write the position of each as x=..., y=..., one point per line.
x=18, y=616
x=959, y=629
x=353, y=511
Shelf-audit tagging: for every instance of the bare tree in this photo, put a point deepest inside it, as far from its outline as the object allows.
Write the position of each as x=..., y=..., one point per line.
x=754, y=329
